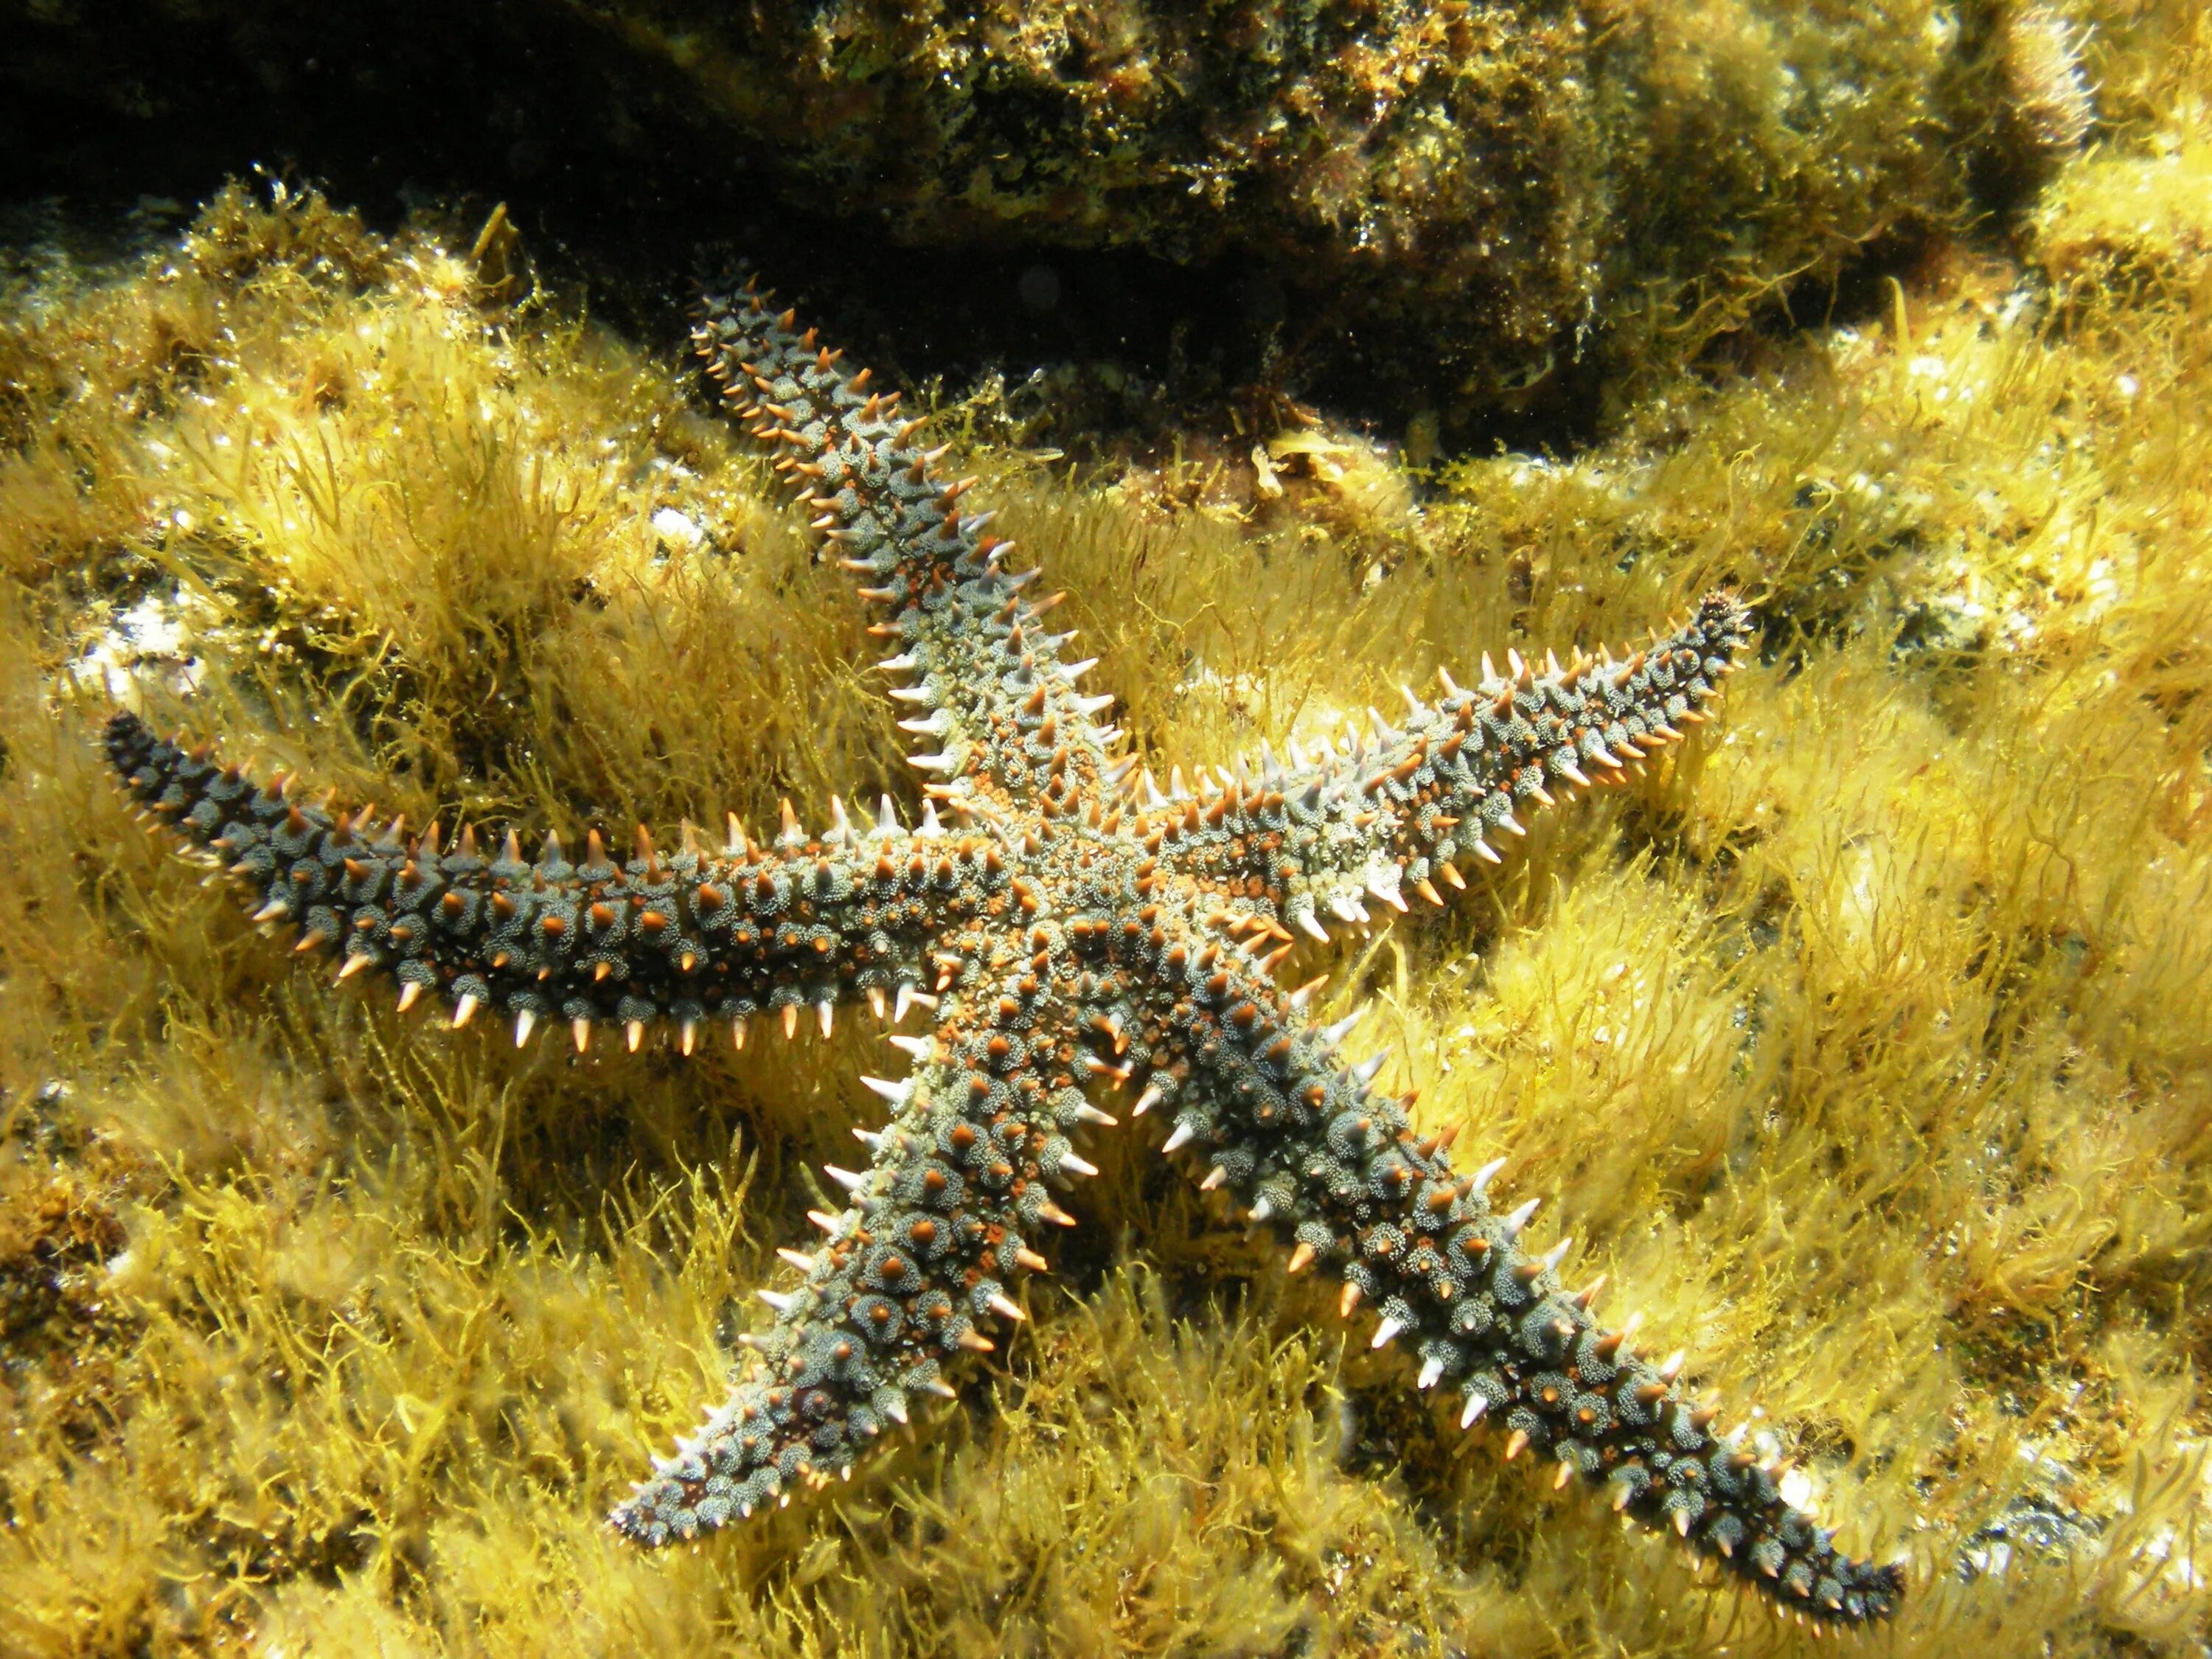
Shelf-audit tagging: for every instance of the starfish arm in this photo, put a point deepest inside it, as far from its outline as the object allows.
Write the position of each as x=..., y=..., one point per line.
x=1323, y=839
x=910, y=1276
x=999, y=709
x=1337, y=1170
x=787, y=931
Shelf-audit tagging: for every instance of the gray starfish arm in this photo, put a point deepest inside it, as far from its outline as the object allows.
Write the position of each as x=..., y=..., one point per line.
x=1375, y=824
x=998, y=709
x=1337, y=1170
x=909, y=1276
x=686, y=938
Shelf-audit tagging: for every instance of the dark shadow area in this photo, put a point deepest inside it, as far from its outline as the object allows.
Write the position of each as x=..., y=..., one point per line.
x=105, y=127
x=117, y=120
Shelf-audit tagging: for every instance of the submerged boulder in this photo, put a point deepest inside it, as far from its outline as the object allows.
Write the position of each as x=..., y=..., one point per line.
x=1460, y=206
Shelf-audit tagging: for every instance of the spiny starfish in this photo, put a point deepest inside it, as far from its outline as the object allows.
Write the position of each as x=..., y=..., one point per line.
x=1070, y=932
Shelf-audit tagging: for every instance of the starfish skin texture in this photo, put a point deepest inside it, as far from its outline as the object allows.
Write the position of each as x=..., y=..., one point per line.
x=1068, y=928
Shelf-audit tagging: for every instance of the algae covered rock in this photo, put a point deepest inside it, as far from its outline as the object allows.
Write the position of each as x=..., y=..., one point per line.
x=1432, y=204
x=1460, y=194
x=1860, y=1042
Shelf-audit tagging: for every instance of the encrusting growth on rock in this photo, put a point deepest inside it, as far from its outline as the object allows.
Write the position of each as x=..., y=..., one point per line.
x=1067, y=925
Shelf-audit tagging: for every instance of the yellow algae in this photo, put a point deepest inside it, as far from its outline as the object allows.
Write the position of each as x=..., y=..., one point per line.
x=1863, y=1044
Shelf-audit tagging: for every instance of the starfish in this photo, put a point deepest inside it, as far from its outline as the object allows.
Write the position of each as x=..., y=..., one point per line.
x=1071, y=931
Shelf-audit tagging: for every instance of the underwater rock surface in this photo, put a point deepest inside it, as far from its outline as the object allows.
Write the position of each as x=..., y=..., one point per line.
x=1469, y=204
x=1864, y=1040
